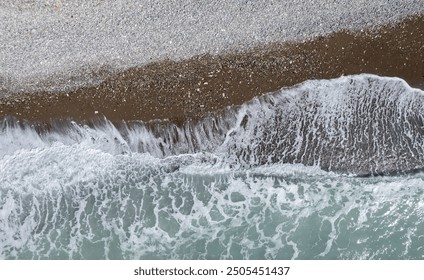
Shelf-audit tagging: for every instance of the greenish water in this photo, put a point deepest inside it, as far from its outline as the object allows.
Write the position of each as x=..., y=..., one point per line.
x=135, y=208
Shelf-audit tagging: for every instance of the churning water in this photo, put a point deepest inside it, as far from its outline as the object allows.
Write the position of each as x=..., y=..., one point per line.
x=275, y=178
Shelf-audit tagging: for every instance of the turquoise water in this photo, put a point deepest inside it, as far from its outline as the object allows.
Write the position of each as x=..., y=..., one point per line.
x=136, y=210
x=276, y=178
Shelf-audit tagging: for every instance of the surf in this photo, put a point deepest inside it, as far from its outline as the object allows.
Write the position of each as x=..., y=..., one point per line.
x=360, y=125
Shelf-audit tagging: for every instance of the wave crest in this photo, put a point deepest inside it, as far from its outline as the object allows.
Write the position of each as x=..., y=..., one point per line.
x=363, y=125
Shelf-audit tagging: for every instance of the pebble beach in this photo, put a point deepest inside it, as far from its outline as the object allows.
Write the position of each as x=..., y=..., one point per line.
x=205, y=130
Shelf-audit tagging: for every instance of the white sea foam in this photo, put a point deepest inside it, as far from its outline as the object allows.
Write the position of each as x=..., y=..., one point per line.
x=65, y=40
x=361, y=124
x=128, y=206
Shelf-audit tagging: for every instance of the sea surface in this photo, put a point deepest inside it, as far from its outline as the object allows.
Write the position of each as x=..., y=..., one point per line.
x=327, y=169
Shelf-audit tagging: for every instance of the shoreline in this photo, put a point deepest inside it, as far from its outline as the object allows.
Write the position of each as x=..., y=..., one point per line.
x=188, y=89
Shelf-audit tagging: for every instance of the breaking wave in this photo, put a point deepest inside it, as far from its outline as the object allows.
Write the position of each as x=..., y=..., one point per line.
x=363, y=125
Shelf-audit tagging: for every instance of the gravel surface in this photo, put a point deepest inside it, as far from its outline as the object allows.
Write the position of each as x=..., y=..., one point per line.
x=77, y=42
